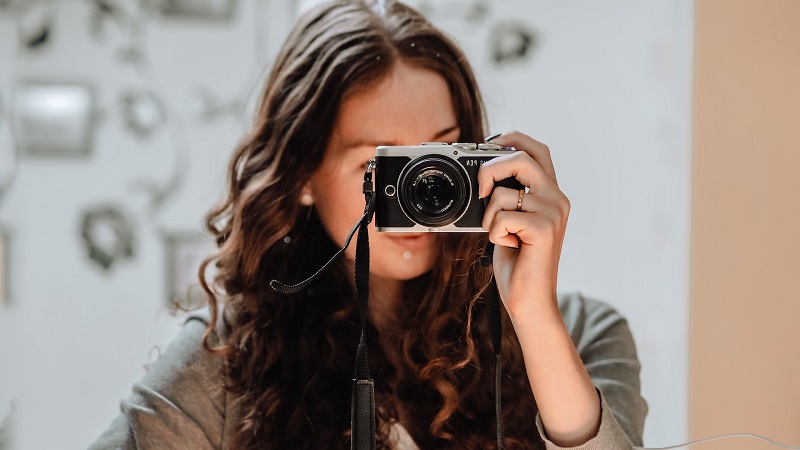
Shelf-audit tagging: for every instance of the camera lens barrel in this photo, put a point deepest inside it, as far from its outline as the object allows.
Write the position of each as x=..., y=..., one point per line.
x=434, y=191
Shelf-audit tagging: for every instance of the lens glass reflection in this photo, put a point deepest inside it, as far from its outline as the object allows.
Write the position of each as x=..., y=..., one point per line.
x=433, y=193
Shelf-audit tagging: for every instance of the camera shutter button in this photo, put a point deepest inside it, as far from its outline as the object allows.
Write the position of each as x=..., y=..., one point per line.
x=490, y=147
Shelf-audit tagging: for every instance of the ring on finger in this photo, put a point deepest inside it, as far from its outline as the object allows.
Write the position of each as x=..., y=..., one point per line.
x=520, y=199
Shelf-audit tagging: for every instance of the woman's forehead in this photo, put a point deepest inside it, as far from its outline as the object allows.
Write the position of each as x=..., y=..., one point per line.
x=372, y=140
x=408, y=106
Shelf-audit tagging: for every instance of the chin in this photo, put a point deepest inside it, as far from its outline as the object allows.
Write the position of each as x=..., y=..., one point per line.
x=402, y=269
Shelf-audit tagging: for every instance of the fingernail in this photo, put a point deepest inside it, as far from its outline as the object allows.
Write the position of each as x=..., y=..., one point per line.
x=492, y=137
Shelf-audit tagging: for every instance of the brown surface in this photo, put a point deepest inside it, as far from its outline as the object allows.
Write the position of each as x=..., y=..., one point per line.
x=745, y=306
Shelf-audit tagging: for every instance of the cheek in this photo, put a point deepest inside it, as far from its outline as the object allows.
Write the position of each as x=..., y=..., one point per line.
x=339, y=208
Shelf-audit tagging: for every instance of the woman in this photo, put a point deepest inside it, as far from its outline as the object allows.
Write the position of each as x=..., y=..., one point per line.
x=273, y=371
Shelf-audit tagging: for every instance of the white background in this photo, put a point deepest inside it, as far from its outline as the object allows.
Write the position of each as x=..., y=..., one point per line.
x=608, y=89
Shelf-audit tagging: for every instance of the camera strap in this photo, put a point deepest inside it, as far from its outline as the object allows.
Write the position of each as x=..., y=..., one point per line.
x=362, y=407
x=495, y=325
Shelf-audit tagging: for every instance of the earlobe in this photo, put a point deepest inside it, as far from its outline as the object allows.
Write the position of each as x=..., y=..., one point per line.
x=306, y=199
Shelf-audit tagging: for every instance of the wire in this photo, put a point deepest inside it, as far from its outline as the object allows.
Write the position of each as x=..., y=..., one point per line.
x=725, y=436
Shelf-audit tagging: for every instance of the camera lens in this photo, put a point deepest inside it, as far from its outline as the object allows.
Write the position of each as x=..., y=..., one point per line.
x=433, y=191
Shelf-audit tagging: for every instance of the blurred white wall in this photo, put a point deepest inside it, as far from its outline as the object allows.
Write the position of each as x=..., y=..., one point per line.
x=608, y=88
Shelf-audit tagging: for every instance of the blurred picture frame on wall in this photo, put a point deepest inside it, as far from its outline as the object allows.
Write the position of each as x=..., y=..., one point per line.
x=5, y=267
x=8, y=148
x=184, y=252
x=212, y=10
x=54, y=119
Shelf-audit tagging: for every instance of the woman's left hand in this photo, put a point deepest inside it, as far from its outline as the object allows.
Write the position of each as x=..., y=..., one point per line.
x=527, y=240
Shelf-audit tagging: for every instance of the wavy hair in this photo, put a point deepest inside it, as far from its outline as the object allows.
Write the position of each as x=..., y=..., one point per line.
x=289, y=358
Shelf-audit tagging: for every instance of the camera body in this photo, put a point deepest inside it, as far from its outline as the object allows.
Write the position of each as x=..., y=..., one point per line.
x=432, y=187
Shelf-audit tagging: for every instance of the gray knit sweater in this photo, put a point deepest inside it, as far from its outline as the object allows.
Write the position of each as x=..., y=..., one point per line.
x=179, y=405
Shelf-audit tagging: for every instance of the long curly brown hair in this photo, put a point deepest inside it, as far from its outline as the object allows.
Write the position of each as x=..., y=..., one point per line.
x=289, y=358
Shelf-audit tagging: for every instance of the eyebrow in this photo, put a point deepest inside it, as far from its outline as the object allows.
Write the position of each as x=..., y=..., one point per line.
x=368, y=143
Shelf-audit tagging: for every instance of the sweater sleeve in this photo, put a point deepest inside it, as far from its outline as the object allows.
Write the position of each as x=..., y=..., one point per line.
x=606, y=347
x=178, y=403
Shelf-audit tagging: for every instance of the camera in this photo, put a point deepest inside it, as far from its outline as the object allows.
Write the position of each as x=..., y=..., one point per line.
x=433, y=186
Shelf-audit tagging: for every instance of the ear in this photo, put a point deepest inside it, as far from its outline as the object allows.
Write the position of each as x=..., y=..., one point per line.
x=306, y=199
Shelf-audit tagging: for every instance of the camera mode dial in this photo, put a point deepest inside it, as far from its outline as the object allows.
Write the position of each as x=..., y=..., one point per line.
x=466, y=146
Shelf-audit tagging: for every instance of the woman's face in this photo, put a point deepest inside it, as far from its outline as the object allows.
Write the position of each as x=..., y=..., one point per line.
x=409, y=106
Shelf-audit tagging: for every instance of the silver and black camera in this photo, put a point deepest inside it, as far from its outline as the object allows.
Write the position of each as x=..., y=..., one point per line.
x=433, y=186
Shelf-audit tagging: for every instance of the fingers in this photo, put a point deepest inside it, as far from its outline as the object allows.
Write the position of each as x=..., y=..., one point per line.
x=538, y=217
x=531, y=165
x=511, y=229
x=519, y=165
x=505, y=199
x=537, y=150
x=544, y=209
x=503, y=237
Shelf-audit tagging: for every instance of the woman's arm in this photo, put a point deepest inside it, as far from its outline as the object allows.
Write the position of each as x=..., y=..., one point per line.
x=528, y=228
x=606, y=347
x=568, y=403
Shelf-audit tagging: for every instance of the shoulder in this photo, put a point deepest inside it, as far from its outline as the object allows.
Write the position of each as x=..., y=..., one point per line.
x=185, y=365
x=203, y=316
x=180, y=402
x=588, y=319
